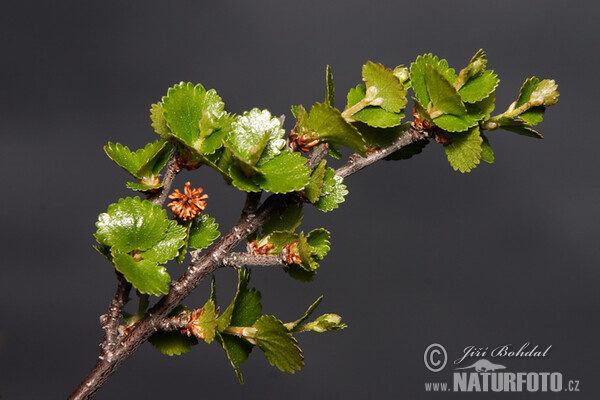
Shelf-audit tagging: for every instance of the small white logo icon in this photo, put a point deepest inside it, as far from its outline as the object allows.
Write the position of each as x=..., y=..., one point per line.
x=435, y=357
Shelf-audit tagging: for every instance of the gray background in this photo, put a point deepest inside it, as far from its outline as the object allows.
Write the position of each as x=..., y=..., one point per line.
x=422, y=254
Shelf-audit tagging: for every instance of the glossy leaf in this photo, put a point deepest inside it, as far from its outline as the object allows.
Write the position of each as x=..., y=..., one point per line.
x=132, y=224
x=288, y=221
x=332, y=192
x=280, y=347
x=329, y=125
x=464, y=152
x=285, y=173
x=318, y=240
x=184, y=106
x=168, y=247
x=442, y=93
x=225, y=318
x=151, y=159
x=203, y=232
x=140, y=187
x=172, y=343
x=313, y=189
x=389, y=87
x=456, y=123
x=371, y=115
x=254, y=133
x=145, y=275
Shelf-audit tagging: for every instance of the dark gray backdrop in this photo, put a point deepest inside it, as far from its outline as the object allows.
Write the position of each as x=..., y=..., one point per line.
x=421, y=254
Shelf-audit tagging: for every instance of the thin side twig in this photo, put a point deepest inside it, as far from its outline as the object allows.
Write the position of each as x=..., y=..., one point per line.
x=238, y=260
x=110, y=321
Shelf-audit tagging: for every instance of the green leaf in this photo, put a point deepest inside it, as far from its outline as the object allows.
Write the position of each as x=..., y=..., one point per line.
x=246, y=310
x=145, y=275
x=479, y=86
x=140, y=187
x=305, y=254
x=487, y=154
x=184, y=107
x=326, y=322
x=287, y=221
x=464, y=152
x=285, y=173
x=280, y=347
x=132, y=224
x=330, y=94
x=313, y=189
x=184, y=248
x=476, y=65
x=529, y=86
x=332, y=192
x=172, y=343
x=256, y=136
x=241, y=181
x=455, y=123
x=302, y=123
x=169, y=246
x=334, y=151
x=218, y=132
x=534, y=115
x=417, y=75
x=482, y=109
x=150, y=159
x=318, y=240
x=330, y=126
x=237, y=351
x=518, y=126
x=307, y=314
x=389, y=87
x=442, y=94
x=208, y=321
x=280, y=240
x=408, y=151
x=203, y=232
x=159, y=123
x=373, y=116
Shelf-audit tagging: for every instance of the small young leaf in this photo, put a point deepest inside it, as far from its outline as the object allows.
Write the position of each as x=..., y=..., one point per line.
x=184, y=106
x=140, y=187
x=247, y=308
x=150, y=159
x=442, y=94
x=318, y=240
x=145, y=275
x=417, y=75
x=254, y=133
x=298, y=273
x=373, y=116
x=330, y=94
x=313, y=189
x=203, y=232
x=330, y=126
x=518, y=126
x=389, y=87
x=132, y=224
x=307, y=314
x=208, y=321
x=335, y=151
x=464, y=152
x=172, y=343
x=332, y=192
x=479, y=86
x=326, y=322
x=280, y=347
x=288, y=221
x=534, y=115
x=285, y=173
x=159, y=123
x=225, y=318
